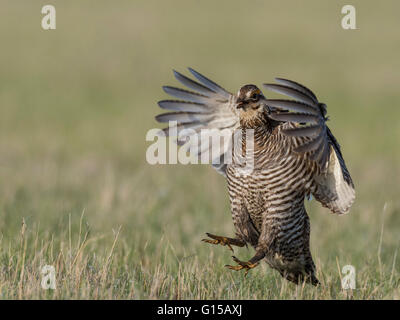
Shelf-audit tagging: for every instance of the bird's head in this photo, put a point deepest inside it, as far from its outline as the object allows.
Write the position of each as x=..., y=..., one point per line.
x=251, y=103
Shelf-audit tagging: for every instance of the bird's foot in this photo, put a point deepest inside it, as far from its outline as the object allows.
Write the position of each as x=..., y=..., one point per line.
x=242, y=265
x=224, y=241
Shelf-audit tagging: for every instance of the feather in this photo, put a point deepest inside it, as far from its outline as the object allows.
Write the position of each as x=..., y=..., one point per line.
x=294, y=117
x=294, y=93
x=311, y=145
x=210, y=84
x=332, y=189
x=182, y=129
x=324, y=156
x=298, y=86
x=319, y=155
x=193, y=84
x=183, y=106
x=184, y=117
x=292, y=106
x=303, y=131
x=222, y=123
x=185, y=94
x=206, y=105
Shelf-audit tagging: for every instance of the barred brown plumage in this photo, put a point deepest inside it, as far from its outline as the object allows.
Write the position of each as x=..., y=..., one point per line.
x=294, y=154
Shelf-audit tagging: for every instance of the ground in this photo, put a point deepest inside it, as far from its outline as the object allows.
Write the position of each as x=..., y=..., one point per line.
x=76, y=192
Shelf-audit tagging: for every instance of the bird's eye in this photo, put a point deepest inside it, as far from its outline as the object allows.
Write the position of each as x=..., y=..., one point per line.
x=254, y=96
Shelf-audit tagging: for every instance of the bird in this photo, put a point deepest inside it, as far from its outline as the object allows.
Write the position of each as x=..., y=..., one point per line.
x=294, y=156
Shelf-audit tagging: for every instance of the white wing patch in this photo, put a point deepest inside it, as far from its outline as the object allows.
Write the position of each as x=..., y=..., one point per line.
x=332, y=190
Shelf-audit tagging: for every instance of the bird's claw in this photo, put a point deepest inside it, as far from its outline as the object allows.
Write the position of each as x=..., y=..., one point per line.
x=224, y=241
x=242, y=265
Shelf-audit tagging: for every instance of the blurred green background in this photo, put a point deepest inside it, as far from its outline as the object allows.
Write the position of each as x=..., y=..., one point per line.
x=75, y=106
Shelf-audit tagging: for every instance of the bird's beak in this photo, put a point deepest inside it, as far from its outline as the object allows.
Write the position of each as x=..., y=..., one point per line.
x=240, y=105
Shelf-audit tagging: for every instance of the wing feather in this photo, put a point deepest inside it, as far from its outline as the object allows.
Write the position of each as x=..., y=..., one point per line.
x=184, y=117
x=184, y=106
x=193, y=84
x=294, y=117
x=298, y=86
x=293, y=106
x=205, y=106
x=185, y=94
x=291, y=92
x=210, y=84
x=312, y=138
x=303, y=131
x=311, y=145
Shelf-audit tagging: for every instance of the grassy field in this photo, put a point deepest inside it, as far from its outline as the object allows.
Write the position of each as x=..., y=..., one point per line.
x=75, y=105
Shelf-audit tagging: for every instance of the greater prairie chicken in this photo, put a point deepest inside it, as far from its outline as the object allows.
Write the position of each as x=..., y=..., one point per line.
x=295, y=155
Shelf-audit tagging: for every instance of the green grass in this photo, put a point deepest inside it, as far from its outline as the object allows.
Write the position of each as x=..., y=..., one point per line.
x=76, y=191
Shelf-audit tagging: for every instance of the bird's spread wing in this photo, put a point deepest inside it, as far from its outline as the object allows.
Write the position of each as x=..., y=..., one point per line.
x=334, y=186
x=206, y=105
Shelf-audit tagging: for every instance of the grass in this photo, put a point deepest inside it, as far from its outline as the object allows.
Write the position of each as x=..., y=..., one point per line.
x=75, y=189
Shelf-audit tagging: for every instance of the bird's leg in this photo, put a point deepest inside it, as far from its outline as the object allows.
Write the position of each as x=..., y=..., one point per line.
x=225, y=241
x=252, y=263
